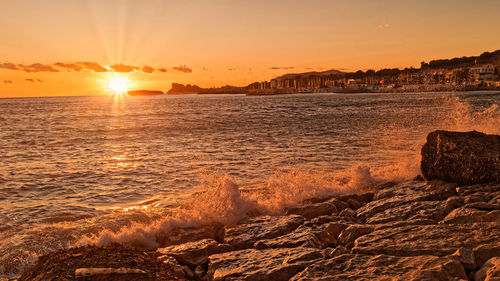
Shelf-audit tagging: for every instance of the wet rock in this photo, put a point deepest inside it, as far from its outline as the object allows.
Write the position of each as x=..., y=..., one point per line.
x=352, y=232
x=188, y=272
x=362, y=198
x=464, y=215
x=339, y=250
x=439, y=240
x=466, y=257
x=383, y=267
x=247, y=233
x=200, y=273
x=195, y=253
x=339, y=204
x=313, y=210
x=490, y=271
x=355, y=204
x=173, y=264
x=482, y=253
x=113, y=262
x=268, y=264
x=184, y=235
x=348, y=213
x=464, y=158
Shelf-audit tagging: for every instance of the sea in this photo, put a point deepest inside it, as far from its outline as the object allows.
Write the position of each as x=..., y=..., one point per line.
x=102, y=169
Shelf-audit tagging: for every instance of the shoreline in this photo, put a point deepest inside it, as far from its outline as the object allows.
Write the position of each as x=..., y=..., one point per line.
x=413, y=230
x=351, y=229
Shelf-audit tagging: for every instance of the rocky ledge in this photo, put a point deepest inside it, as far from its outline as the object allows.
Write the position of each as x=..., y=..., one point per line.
x=414, y=230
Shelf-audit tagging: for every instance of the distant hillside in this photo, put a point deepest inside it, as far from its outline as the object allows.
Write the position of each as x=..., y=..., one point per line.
x=332, y=72
x=484, y=58
x=184, y=89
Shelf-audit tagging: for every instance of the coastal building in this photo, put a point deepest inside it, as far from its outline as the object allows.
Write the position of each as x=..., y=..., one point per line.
x=482, y=73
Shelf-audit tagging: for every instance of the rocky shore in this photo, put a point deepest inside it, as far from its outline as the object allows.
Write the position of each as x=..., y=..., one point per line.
x=415, y=230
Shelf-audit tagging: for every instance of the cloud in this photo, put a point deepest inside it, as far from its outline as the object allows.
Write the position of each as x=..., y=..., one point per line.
x=385, y=25
x=123, y=68
x=86, y=65
x=92, y=66
x=183, y=68
x=282, y=67
x=147, y=69
x=8, y=81
x=8, y=65
x=38, y=67
x=33, y=80
x=70, y=66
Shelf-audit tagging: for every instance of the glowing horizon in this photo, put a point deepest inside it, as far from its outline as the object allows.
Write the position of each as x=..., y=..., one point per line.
x=57, y=47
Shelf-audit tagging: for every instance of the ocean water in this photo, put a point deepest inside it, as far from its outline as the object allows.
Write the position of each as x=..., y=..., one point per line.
x=78, y=170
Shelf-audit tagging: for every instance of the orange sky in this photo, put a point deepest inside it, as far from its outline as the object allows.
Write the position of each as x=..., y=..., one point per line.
x=227, y=41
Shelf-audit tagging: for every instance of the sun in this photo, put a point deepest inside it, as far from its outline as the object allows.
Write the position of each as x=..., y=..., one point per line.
x=118, y=85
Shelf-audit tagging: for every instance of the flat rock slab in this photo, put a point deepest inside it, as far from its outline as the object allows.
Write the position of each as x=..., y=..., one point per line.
x=255, y=265
x=244, y=235
x=402, y=195
x=439, y=240
x=434, y=210
x=195, y=253
x=383, y=267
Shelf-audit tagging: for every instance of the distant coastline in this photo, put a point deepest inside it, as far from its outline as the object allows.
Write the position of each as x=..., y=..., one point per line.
x=474, y=73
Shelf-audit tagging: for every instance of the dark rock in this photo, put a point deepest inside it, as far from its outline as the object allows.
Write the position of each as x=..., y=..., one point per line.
x=466, y=257
x=103, y=263
x=313, y=210
x=462, y=157
x=184, y=235
x=339, y=204
x=195, y=253
x=490, y=271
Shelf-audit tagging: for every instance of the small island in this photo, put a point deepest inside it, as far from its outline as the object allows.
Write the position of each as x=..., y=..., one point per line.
x=144, y=93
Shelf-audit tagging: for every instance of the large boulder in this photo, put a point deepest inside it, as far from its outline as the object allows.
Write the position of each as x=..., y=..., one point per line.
x=461, y=157
x=383, y=267
x=268, y=264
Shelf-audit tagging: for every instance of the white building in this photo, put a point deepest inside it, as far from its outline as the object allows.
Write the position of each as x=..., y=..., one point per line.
x=484, y=72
